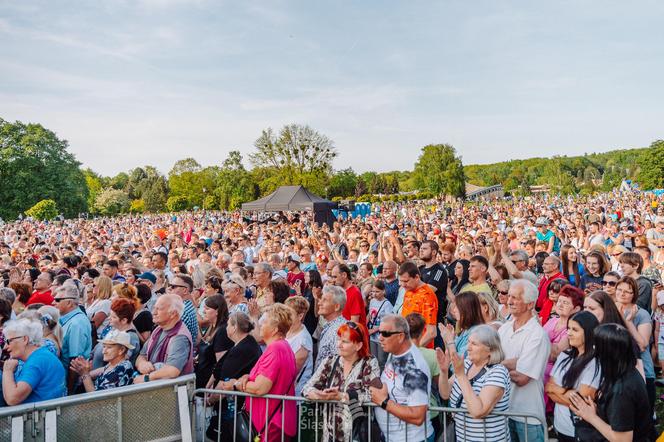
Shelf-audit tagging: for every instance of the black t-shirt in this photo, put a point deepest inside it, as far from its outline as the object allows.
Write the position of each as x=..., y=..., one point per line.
x=237, y=362
x=207, y=358
x=626, y=407
x=143, y=321
x=436, y=275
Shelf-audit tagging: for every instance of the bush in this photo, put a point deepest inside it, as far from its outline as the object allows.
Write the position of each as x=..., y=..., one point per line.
x=177, y=203
x=210, y=203
x=137, y=206
x=43, y=210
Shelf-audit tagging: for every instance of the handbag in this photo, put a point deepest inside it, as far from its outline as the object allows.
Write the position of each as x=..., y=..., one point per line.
x=361, y=424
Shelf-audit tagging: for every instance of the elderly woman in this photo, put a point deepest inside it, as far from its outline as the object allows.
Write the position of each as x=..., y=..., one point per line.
x=345, y=378
x=274, y=373
x=503, y=288
x=118, y=370
x=120, y=319
x=234, y=289
x=300, y=341
x=42, y=376
x=480, y=385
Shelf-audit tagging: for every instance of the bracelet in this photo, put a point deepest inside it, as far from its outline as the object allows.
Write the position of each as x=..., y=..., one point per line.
x=383, y=404
x=449, y=343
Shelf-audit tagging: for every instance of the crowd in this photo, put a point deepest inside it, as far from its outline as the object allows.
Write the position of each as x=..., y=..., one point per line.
x=546, y=307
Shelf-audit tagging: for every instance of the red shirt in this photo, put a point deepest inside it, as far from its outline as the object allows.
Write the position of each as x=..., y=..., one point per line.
x=354, y=305
x=41, y=298
x=291, y=278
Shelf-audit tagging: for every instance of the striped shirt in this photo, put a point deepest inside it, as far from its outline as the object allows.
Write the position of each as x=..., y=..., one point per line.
x=189, y=319
x=490, y=428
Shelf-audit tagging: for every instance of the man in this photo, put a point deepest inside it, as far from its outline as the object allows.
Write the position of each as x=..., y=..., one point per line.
x=631, y=264
x=42, y=293
x=527, y=347
x=447, y=259
x=76, y=329
x=295, y=276
x=338, y=249
x=516, y=263
x=330, y=306
x=170, y=345
x=149, y=279
x=249, y=251
x=391, y=281
x=595, y=236
x=278, y=271
x=477, y=273
x=419, y=298
x=412, y=250
x=406, y=385
x=434, y=274
x=551, y=270
x=182, y=285
x=110, y=269
x=306, y=264
x=354, y=309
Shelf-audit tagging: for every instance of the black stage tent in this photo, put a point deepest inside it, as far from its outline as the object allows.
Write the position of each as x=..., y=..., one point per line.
x=294, y=199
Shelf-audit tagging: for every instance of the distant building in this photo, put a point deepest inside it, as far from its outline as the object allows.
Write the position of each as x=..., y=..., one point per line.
x=474, y=192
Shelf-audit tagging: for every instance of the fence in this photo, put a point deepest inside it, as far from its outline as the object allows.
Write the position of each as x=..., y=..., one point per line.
x=158, y=410
x=310, y=425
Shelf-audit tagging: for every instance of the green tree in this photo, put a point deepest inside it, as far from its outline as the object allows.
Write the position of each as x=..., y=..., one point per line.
x=440, y=171
x=234, y=183
x=177, y=203
x=342, y=184
x=651, y=164
x=35, y=165
x=156, y=195
x=112, y=201
x=190, y=180
x=43, y=210
x=95, y=185
x=137, y=206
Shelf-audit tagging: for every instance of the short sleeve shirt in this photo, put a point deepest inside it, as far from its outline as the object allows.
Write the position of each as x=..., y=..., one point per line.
x=189, y=319
x=354, y=305
x=423, y=301
x=45, y=375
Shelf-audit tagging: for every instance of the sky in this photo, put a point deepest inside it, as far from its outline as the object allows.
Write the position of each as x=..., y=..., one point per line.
x=136, y=82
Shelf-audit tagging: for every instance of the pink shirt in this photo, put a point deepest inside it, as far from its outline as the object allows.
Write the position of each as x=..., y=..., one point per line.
x=277, y=364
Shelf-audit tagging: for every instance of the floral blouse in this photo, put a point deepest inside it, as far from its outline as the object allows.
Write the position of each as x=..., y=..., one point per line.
x=118, y=376
x=338, y=418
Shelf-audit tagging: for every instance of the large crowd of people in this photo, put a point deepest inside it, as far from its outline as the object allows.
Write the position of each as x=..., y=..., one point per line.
x=547, y=311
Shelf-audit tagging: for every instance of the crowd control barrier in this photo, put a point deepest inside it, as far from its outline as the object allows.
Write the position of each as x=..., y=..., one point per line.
x=153, y=411
x=310, y=419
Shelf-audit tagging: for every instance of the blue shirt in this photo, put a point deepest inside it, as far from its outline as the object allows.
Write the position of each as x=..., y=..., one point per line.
x=76, y=336
x=189, y=319
x=45, y=375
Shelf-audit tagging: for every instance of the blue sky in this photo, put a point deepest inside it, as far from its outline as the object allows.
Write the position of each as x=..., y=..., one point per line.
x=133, y=82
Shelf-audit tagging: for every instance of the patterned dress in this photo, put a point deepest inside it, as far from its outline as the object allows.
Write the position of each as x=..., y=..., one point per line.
x=338, y=419
x=118, y=376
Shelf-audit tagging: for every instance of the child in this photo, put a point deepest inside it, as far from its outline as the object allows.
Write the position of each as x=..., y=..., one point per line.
x=378, y=308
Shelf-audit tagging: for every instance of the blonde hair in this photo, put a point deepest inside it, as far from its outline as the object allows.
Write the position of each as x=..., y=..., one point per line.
x=104, y=287
x=298, y=303
x=488, y=300
x=127, y=291
x=281, y=316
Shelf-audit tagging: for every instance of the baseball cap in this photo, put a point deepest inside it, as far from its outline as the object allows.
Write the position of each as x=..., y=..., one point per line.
x=148, y=276
x=119, y=338
x=294, y=257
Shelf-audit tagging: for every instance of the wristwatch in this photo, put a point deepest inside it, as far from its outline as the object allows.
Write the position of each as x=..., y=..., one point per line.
x=146, y=378
x=383, y=404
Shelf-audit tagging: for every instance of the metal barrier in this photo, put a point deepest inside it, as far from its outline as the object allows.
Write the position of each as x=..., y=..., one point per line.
x=312, y=433
x=142, y=412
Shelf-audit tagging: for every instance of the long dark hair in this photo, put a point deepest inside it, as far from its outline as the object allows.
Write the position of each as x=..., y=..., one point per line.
x=611, y=313
x=614, y=350
x=314, y=279
x=566, y=262
x=577, y=364
x=470, y=310
x=464, y=276
x=218, y=303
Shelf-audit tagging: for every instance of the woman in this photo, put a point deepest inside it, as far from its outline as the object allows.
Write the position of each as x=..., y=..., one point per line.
x=467, y=312
x=575, y=370
x=5, y=315
x=596, y=267
x=639, y=324
x=379, y=306
x=552, y=293
x=621, y=411
x=212, y=287
x=312, y=292
x=50, y=317
x=300, y=341
x=344, y=378
x=126, y=291
x=99, y=306
x=143, y=322
x=274, y=373
x=609, y=283
x=460, y=279
x=490, y=310
x=480, y=385
x=570, y=265
x=42, y=376
x=601, y=305
x=214, y=342
x=503, y=288
x=23, y=294
x=235, y=363
x=120, y=319
x=233, y=290
x=118, y=370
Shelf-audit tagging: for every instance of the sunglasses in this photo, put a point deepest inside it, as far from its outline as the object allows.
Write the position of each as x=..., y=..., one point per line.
x=503, y=293
x=387, y=333
x=62, y=299
x=610, y=283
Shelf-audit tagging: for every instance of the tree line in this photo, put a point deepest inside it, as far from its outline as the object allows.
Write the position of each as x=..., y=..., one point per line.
x=40, y=178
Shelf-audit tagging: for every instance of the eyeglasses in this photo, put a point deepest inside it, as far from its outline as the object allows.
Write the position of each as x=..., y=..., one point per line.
x=610, y=283
x=388, y=333
x=10, y=340
x=174, y=286
x=62, y=299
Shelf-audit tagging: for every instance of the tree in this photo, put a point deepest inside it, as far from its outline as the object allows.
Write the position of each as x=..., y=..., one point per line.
x=342, y=183
x=234, y=183
x=177, y=203
x=156, y=195
x=297, y=155
x=35, y=165
x=43, y=210
x=651, y=164
x=440, y=171
x=137, y=206
x=188, y=179
x=94, y=183
x=112, y=201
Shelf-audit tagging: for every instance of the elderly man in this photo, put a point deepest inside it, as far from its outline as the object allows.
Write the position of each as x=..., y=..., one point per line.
x=406, y=385
x=527, y=347
x=389, y=275
x=516, y=263
x=76, y=329
x=182, y=285
x=330, y=306
x=551, y=268
x=169, y=351
x=263, y=278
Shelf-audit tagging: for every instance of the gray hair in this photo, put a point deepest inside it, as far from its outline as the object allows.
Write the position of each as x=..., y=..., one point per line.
x=8, y=294
x=264, y=267
x=242, y=321
x=74, y=284
x=69, y=291
x=529, y=290
x=488, y=336
x=174, y=303
x=400, y=324
x=25, y=327
x=338, y=294
x=523, y=256
x=556, y=259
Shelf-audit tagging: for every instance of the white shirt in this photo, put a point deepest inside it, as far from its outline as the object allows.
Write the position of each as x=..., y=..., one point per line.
x=298, y=341
x=408, y=382
x=530, y=345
